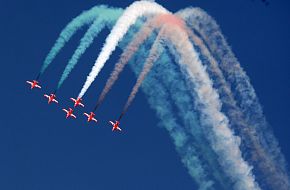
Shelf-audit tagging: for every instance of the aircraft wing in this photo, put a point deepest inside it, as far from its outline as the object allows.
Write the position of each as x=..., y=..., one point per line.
x=73, y=99
x=94, y=120
x=81, y=104
x=112, y=123
x=86, y=114
x=73, y=116
x=45, y=95
x=29, y=82
x=54, y=100
x=37, y=86
x=65, y=110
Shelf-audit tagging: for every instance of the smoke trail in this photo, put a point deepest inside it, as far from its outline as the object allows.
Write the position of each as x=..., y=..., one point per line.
x=38, y=76
x=85, y=18
x=250, y=142
x=130, y=50
x=134, y=91
x=257, y=131
x=159, y=101
x=185, y=112
x=236, y=75
x=171, y=78
x=190, y=160
x=129, y=17
x=155, y=51
x=222, y=139
x=220, y=119
x=106, y=16
x=139, y=38
x=222, y=89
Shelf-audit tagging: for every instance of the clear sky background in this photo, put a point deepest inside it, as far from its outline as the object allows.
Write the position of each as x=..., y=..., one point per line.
x=40, y=149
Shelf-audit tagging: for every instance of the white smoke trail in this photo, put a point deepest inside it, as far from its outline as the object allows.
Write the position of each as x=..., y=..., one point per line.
x=255, y=153
x=216, y=123
x=129, y=17
x=168, y=74
x=270, y=159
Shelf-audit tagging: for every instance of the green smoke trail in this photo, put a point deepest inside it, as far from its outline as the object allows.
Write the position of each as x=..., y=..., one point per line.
x=106, y=17
x=87, y=17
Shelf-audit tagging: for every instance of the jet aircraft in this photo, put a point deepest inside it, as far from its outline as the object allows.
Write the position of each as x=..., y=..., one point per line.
x=115, y=125
x=69, y=113
x=51, y=98
x=91, y=117
x=34, y=84
x=77, y=102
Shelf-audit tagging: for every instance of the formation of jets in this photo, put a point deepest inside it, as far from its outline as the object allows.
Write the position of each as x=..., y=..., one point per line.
x=77, y=102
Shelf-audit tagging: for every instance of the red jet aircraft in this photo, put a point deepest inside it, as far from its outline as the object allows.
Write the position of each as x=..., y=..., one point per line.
x=91, y=117
x=77, y=102
x=51, y=98
x=115, y=125
x=33, y=84
x=69, y=113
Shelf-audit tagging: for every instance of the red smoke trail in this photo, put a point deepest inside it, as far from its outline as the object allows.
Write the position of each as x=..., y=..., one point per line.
x=153, y=56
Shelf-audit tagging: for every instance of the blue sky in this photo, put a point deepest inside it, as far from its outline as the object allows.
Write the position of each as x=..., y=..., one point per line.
x=42, y=150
